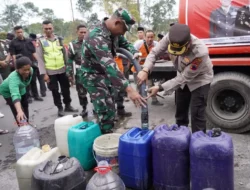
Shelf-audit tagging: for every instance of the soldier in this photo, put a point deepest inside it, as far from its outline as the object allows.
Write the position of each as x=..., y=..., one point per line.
x=195, y=73
x=100, y=74
x=222, y=20
x=5, y=68
x=242, y=22
x=51, y=62
x=73, y=69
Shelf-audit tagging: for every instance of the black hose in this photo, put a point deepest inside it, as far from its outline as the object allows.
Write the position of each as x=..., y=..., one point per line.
x=142, y=90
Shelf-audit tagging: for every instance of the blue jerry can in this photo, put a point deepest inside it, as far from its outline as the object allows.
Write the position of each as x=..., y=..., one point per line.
x=135, y=159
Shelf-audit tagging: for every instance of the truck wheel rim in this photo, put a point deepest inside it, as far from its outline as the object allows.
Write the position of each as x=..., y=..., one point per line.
x=228, y=104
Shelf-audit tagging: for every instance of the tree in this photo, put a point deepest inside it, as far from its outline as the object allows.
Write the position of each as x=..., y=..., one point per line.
x=12, y=16
x=47, y=14
x=85, y=6
x=130, y=5
x=92, y=20
x=159, y=15
x=30, y=10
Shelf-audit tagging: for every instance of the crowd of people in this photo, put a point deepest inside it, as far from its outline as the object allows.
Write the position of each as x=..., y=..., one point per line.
x=93, y=65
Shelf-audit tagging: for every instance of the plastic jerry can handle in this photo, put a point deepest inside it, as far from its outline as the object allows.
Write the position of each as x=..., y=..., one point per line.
x=84, y=126
x=102, y=169
x=69, y=164
x=43, y=166
x=216, y=132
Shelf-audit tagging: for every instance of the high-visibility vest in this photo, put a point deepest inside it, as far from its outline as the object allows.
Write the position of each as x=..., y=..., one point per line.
x=53, y=55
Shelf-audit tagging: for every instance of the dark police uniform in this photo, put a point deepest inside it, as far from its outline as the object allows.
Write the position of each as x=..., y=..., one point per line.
x=221, y=23
x=242, y=22
x=195, y=73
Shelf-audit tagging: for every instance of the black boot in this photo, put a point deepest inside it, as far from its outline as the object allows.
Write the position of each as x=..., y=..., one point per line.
x=69, y=108
x=38, y=98
x=84, y=112
x=60, y=112
x=123, y=113
x=106, y=131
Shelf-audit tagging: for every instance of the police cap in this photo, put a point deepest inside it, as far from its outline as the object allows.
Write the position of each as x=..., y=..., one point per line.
x=179, y=37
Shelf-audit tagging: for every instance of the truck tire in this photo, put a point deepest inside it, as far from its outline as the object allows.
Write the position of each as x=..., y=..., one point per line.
x=228, y=105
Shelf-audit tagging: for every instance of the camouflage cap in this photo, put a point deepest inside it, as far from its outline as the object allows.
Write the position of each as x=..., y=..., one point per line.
x=125, y=16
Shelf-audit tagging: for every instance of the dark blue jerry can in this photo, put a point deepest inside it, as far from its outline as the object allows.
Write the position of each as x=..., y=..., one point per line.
x=135, y=158
x=212, y=160
x=170, y=146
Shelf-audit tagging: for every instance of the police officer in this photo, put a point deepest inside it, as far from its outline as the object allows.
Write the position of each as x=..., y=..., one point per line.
x=73, y=69
x=100, y=75
x=195, y=73
x=242, y=22
x=222, y=20
x=51, y=62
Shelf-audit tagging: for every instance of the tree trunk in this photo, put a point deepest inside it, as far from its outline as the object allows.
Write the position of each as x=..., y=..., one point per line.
x=138, y=8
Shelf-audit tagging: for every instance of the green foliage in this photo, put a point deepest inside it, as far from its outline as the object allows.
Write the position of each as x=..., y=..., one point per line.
x=47, y=14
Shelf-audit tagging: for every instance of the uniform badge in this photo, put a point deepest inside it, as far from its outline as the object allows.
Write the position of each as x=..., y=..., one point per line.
x=45, y=43
x=195, y=64
x=186, y=59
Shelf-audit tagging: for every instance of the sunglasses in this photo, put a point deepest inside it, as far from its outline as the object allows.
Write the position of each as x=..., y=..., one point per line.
x=47, y=28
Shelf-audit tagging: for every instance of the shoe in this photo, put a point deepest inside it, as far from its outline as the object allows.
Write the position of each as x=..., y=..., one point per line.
x=38, y=98
x=156, y=103
x=60, y=112
x=69, y=108
x=107, y=131
x=30, y=100
x=123, y=113
x=1, y=115
x=43, y=94
x=84, y=113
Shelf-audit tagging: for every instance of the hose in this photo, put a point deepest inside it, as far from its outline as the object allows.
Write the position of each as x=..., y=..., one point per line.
x=142, y=89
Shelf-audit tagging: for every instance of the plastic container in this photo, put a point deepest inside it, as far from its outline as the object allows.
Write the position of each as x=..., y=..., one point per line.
x=26, y=164
x=105, y=179
x=170, y=146
x=65, y=174
x=212, y=160
x=106, y=148
x=135, y=158
x=62, y=126
x=25, y=138
x=80, y=139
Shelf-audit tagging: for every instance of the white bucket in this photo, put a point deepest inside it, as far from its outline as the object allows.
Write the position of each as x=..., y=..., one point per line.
x=106, y=148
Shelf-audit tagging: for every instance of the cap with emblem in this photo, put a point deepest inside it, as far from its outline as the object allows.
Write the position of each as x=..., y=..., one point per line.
x=179, y=37
x=125, y=16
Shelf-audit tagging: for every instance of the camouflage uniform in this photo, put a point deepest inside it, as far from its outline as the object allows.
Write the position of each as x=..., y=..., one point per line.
x=100, y=74
x=75, y=56
x=4, y=72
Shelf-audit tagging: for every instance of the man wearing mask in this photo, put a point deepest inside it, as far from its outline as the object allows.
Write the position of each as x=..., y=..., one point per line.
x=51, y=62
x=73, y=69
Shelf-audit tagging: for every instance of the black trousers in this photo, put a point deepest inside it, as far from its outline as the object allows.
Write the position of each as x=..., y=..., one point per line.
x=24, y=104
x=63, y=80
x=33, y=85
x=198, y=101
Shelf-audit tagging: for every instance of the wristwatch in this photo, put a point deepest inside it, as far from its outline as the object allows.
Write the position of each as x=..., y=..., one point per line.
x=160, y=88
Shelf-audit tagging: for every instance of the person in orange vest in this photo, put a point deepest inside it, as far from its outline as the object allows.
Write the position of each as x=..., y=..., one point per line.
x=144, y=47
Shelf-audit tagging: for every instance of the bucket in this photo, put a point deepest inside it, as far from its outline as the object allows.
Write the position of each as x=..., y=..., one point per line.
x=106, y=148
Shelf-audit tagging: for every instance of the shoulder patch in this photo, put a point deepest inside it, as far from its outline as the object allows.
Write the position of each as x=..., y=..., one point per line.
x=195, y=64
